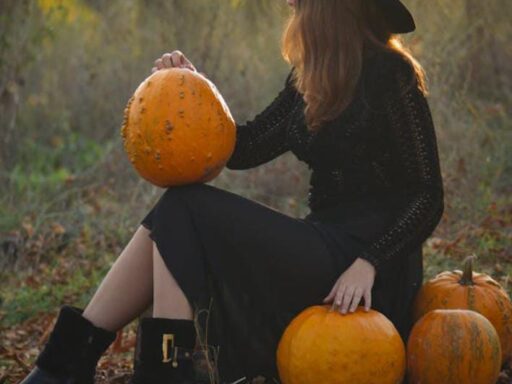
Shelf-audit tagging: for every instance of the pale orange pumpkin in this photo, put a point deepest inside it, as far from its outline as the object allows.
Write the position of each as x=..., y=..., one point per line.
x=453, y=346
x=469, y=290
x=326, y=347
x=178, y=129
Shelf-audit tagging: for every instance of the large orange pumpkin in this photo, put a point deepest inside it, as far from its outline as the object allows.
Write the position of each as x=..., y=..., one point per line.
x=178, y=129
x=469, y=290
x=326, y=347
x=453, y=346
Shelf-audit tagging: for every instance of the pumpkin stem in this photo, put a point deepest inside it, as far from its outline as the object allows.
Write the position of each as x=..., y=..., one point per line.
x=467, y=276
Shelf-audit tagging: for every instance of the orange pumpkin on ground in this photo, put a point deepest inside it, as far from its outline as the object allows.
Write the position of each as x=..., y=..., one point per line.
x=326, y=347
x=469, y=290
x=178, y=129
x=453, y=346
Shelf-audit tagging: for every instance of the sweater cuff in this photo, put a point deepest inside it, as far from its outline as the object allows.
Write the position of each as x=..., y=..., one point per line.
x=372, y=260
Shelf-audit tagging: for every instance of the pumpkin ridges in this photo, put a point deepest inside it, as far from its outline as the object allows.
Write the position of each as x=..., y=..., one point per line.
x=485, y=296
x=453, y=346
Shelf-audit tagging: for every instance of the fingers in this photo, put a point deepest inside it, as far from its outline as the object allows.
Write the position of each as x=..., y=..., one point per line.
x=191, y=67
x=339, y=296
x=159, y=64
x=348, y=298
x=331, y=294
x=348, y=293
x=175, y=59
x=183, y=61
x=166, y=60
x=367, y=299
x=358, y=294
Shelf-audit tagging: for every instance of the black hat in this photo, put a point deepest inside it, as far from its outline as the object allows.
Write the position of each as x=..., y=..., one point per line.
x=397, y=15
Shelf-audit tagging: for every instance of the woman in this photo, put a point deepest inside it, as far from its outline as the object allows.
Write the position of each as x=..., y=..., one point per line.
x=353, y=108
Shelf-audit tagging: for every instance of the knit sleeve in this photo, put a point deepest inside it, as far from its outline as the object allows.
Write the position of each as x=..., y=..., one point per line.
x=414, y=144
x=264, y=138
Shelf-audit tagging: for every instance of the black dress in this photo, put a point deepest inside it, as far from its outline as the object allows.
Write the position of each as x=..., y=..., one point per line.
x=375, y=193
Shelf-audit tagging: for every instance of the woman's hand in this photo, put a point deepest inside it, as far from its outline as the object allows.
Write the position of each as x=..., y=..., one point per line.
x=353, y=284
x=175, y=59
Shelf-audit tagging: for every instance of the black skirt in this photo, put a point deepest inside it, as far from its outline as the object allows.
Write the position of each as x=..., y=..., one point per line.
x=254, y=269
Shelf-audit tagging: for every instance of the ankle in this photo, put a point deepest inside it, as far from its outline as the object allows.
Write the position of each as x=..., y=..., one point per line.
x=100, y=320
x=74, y=346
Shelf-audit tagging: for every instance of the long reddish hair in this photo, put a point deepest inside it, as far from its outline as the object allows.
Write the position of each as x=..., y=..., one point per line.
x=326, y=41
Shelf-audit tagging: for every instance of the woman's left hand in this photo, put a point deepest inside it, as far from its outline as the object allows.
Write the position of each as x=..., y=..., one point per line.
x=355, y=282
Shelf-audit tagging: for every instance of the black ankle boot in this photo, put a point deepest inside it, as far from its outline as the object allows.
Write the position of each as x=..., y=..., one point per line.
x=72, y=351
x=165, y=352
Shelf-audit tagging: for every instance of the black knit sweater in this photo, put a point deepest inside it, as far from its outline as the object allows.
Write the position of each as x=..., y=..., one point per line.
x=375, y=167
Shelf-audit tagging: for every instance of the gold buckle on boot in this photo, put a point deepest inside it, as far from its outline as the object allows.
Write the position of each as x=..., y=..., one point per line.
x=166, y=338
x=177, y=351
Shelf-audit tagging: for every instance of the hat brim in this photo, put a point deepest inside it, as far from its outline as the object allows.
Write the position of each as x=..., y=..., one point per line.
x=397, y=15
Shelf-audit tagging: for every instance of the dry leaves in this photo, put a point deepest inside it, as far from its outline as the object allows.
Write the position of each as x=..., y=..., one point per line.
x=21, y=345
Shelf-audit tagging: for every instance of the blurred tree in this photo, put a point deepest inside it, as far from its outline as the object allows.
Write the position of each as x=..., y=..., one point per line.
x=21, y=30
x=488, y=62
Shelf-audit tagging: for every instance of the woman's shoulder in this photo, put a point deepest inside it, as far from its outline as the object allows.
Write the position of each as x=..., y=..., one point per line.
x=384, y=65
x=387, y=75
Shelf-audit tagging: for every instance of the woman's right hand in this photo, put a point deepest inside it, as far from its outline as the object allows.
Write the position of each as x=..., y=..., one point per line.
x=175, y=59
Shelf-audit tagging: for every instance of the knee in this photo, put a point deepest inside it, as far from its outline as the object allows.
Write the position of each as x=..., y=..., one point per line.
x=180, y=190
x=183, y=194
x=170, y=205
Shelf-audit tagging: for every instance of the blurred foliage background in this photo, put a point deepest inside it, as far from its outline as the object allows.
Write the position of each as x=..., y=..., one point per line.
x=69, y=197
x=70, y=200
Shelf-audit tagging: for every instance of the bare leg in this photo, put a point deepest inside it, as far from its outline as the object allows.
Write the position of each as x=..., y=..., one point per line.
x=127, y=289
x=169, y=300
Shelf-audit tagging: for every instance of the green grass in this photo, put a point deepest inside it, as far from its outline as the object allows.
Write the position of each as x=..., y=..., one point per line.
x=27, y=296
